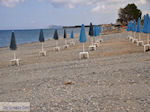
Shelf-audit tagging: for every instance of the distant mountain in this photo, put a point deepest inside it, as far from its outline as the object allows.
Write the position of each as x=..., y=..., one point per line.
x=55, y=27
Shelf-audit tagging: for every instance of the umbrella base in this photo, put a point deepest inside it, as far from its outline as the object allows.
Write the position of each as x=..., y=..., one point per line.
x=130, y=38
x=140, y=43
x=56, y=48
x=99, y=40
x=92, y=48
x=146, y=47
x=84, y=55
x=97, y=44
x=15, y=62
x=42, y=53
x=134, y=40
x=66, y=46
x=71, y=43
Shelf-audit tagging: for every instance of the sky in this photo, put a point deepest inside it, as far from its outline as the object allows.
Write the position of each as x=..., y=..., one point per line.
x=32, y=14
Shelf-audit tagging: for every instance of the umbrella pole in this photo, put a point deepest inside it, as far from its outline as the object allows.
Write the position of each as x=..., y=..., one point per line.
x=83, y=47
x=92, y=40
x=56, y=43
x=42, y=47
x=14, y=55
x=65, y=42
x=147, y=39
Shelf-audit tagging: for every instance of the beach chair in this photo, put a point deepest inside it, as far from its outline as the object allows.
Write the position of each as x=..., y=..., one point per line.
x=84, y=55
x=92, y=48
x=15, y=62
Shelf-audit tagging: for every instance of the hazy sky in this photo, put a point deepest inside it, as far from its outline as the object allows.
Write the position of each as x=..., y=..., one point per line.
x=26, y=14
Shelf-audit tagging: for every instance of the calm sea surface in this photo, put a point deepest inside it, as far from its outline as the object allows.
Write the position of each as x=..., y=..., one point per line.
x=29, y=36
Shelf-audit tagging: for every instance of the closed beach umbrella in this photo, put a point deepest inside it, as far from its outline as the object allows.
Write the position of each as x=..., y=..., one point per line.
x=148, y=24
x=65, y=36
x=56, y=37
x=138, y=29
x=95, y=31
x=129, y=26
x=138, y=26
x=13, y=45
x=41, y=38
x=145, y=23
x=145, y=27
x=83, y=38
x=134, y=27
x=91, y=30
x=72, y=35
x=148, y=28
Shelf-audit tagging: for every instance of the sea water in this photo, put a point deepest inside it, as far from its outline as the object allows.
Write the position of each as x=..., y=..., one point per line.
x=29, y=36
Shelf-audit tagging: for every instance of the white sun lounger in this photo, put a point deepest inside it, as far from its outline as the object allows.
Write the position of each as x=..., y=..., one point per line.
x=84, y=55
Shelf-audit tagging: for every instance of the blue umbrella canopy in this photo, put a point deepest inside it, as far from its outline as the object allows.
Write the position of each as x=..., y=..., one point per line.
x=13, y=45
x=96, y=31
x=91, y=30
x=100, y=29
x=82, y=38
x=134, y=26
x=65, y=34
x=148, y=26
x=72, y=35
x=145, y=27
x=41, y=36
x=138, y=29
x=56, y=37
x=129, y=26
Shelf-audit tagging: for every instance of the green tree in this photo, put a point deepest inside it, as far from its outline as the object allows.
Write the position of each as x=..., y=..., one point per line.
x=130, y=12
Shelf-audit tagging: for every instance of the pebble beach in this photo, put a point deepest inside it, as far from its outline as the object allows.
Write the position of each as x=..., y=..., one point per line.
x=116, y=77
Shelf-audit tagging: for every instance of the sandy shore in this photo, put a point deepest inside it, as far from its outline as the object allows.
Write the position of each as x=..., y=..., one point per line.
x=116, y=78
